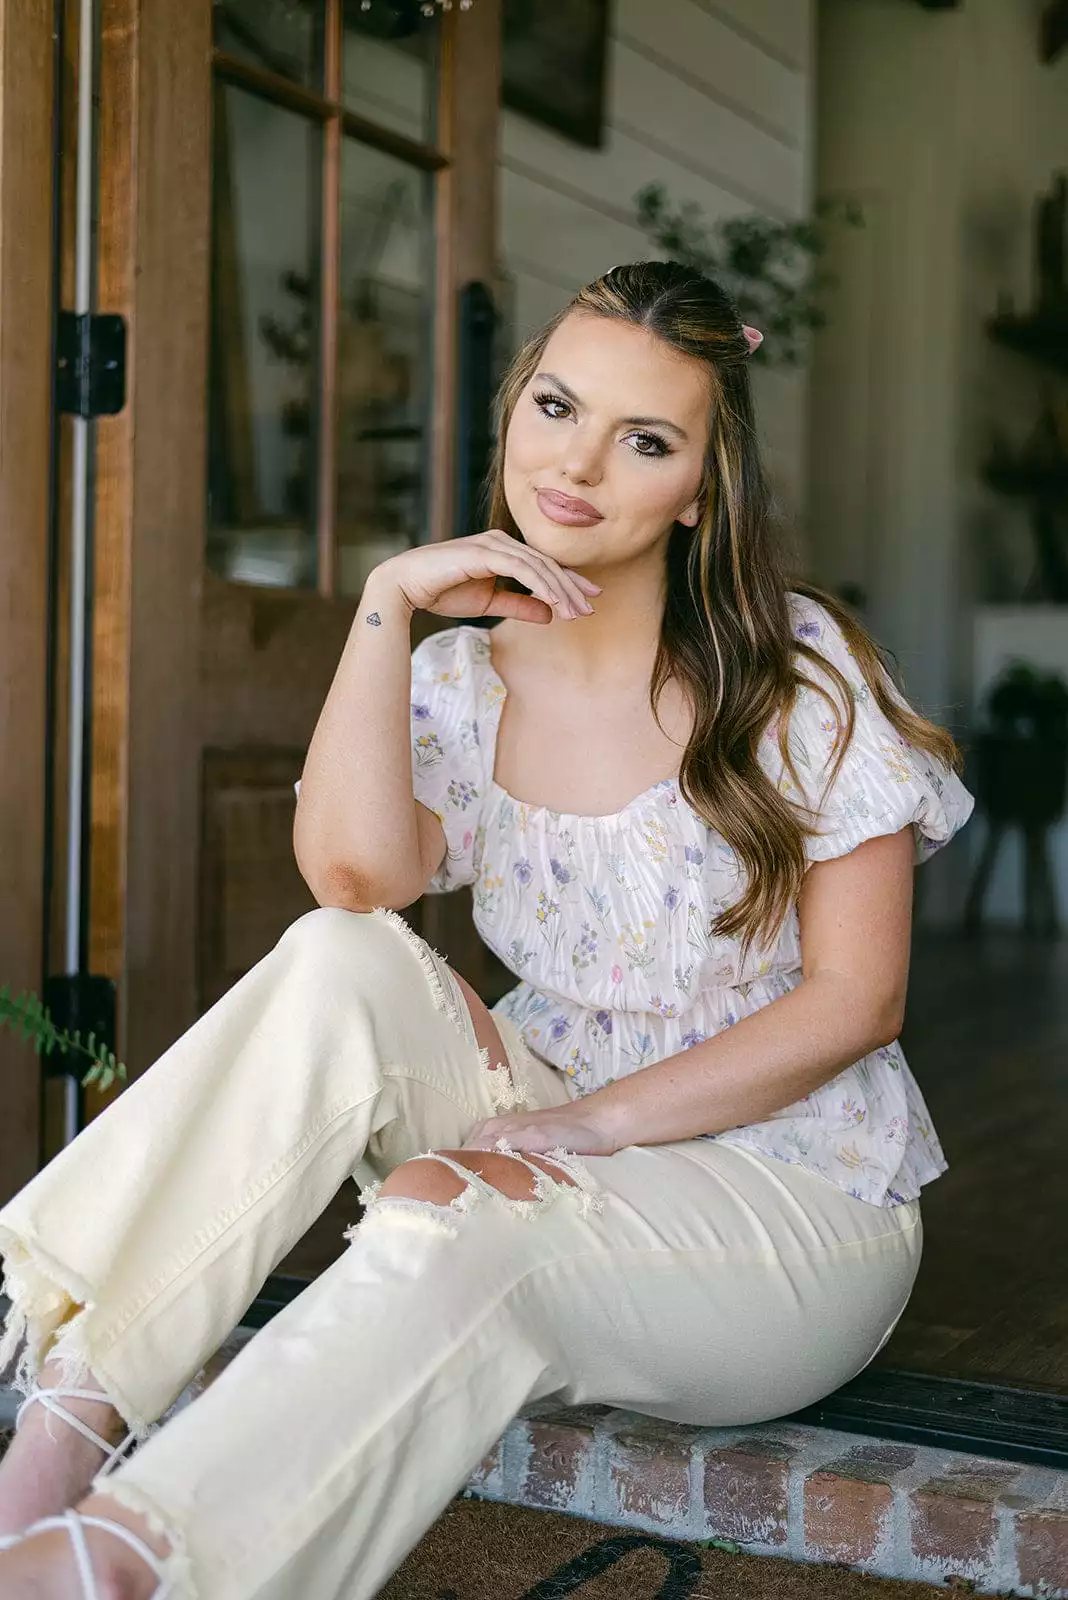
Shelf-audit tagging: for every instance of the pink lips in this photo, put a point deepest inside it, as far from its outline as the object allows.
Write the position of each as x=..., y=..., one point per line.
x=565, y=509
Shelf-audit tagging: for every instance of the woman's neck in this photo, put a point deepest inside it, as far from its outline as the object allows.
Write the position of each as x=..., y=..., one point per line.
x=613, y=645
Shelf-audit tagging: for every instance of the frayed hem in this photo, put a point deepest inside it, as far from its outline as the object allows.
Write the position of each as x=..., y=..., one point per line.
x=422, y=1215
x=585, y=1192
x=582, y=1192
x=432, y=964
x=509, y=1090
x=39, y=1329
x=177, y=1577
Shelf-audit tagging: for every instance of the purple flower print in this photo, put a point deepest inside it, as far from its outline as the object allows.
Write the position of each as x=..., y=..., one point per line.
x=584, y=953
x=692, y=1037
x=808, y=630
x=420, y=710
x=695, y=857
x=671, y=898
x=461, y=793
x=662, y=1007
x=522, y=872
x=560, y=872
x=559, y=1027
x=603, y=1020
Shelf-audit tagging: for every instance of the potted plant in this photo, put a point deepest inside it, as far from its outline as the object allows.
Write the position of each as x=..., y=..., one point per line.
x=772, y=269
x=1021, y=757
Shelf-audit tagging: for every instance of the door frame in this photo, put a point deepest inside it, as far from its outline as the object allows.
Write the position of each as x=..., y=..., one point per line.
x=27, y=86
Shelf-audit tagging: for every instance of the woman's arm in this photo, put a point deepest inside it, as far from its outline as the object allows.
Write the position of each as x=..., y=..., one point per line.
x=358, y=835
x=855, y=914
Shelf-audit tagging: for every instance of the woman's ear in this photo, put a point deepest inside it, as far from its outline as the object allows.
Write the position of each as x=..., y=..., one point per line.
x=692, y=515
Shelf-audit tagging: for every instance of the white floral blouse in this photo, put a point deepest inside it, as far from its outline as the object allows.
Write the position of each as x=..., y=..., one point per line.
x=605, y=920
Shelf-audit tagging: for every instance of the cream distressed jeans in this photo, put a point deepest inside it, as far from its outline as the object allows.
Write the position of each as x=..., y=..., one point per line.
x=692, y=1281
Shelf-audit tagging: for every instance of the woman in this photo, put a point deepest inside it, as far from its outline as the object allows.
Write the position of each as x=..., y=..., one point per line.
x=689, y=801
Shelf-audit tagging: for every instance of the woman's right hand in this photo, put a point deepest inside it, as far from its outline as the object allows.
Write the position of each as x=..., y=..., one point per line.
x=458, y=578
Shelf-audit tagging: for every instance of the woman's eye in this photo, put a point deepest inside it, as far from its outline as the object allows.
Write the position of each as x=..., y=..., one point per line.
x=552, y=405
x=648, y=444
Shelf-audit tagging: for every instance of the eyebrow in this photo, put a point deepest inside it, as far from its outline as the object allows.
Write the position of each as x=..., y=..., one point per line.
x=633, y=422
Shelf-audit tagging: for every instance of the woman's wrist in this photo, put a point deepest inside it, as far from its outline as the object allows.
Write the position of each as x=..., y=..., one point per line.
x=383, y=600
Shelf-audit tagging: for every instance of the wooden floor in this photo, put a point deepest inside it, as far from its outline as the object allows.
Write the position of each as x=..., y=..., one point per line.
x=987, y=1036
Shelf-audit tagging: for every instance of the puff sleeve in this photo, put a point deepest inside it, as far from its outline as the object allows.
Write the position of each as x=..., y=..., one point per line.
x=883, y=784
x=449, y=755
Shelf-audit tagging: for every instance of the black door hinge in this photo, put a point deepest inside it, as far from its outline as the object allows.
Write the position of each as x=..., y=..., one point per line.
x=81, y=1002
x=90, y=364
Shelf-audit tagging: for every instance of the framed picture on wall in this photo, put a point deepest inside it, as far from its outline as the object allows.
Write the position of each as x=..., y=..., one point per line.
x=553, y=68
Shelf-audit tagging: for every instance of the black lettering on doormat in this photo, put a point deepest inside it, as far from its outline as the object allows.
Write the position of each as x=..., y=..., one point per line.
x=684, y=1567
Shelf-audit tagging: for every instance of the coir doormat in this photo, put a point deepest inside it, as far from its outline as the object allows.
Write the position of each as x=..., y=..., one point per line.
x=480, y=1550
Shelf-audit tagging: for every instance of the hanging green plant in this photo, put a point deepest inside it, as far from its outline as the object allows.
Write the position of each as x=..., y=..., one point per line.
x=27, y=1016
x=771, y=269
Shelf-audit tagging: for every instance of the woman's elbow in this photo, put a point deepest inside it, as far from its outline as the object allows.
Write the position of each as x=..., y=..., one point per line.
x=888, y=1019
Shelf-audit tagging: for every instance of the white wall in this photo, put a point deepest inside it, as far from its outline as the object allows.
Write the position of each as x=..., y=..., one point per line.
x=711, y=98
x=946, y=126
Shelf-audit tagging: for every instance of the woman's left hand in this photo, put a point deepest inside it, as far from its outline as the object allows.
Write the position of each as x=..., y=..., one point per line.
x=538, y=1132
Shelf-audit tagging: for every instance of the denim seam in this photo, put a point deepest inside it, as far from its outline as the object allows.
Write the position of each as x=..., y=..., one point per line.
x=207, y=1235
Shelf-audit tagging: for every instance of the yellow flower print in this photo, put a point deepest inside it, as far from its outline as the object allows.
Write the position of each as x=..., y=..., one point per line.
x=896, y=764
x=446, y=678
x=655, y=838
x=428, y=751
x=638, y=948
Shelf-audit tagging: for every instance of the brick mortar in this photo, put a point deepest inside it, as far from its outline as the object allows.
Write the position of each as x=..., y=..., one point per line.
x=935, y=1496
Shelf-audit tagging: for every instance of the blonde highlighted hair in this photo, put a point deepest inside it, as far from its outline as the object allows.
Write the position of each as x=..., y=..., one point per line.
x=727, y=636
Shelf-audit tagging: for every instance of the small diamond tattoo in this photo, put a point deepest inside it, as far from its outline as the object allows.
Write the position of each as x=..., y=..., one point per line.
x=374, y=620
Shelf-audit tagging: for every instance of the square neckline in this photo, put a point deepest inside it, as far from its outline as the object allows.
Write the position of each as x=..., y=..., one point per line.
x=551, y=811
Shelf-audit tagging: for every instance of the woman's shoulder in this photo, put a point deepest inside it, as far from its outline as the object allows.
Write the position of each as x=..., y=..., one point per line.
x=453, y=676
x=812, y=622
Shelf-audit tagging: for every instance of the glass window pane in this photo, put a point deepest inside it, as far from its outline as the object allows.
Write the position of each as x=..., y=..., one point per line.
x=384, y=360
x=283, y=36
x=390, y=66
x=264, y=342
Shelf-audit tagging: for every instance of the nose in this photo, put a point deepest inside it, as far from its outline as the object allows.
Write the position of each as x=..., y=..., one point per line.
x=583, y=457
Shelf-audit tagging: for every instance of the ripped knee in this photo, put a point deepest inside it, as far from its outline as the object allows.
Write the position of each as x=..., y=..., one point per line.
x=426, y=1179
x=431, y=1188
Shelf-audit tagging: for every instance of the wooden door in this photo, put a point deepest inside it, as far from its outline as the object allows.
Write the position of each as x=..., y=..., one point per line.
x=290, y=204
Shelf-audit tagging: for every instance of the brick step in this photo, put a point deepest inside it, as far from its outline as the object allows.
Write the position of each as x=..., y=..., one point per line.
x=778, y=1489
x=806, y=1493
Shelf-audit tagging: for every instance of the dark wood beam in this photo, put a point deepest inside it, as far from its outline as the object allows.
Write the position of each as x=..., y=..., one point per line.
x=940, y=5
x=1054, y=29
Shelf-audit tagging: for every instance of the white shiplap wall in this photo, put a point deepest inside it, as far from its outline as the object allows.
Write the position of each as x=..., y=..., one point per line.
x=711, y=98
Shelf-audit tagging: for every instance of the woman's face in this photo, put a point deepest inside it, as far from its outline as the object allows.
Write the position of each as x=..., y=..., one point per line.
x=606, y=446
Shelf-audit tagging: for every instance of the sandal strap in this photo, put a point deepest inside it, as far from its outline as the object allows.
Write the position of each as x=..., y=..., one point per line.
x=49, y=1398
x=75, y=1523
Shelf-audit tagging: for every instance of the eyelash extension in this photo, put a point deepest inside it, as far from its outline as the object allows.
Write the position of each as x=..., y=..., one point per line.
x=546, y=398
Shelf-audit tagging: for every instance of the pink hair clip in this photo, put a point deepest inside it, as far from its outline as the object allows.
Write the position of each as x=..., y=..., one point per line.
x=753, y=337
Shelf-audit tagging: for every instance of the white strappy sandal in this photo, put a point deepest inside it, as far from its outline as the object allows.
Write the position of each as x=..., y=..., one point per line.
x=49, y=1399
x=75, y=1521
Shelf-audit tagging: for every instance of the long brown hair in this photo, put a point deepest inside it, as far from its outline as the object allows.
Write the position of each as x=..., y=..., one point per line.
x=727, y=636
